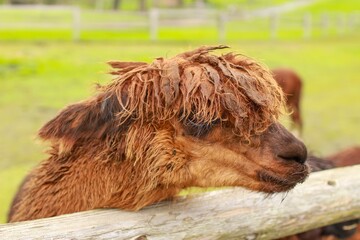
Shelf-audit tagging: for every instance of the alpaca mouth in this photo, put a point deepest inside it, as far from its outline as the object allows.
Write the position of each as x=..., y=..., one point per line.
x=276, y=183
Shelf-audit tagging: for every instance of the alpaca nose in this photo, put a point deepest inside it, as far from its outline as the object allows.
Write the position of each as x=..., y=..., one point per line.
x=294, y=151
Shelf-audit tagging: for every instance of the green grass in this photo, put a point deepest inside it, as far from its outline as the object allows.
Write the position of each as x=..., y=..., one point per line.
x=334, y=6
x=39, y=78
x=10, y=181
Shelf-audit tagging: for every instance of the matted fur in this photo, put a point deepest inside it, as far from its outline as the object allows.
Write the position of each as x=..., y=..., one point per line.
x=196, y=84
x=199, y=85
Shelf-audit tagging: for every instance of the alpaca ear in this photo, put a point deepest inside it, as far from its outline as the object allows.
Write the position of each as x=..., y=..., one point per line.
x=91, y=119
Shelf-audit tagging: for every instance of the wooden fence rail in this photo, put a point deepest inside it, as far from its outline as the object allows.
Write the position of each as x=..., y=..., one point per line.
x=326, y=197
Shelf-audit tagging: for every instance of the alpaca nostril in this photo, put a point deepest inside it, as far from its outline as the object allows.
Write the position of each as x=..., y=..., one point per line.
x=296, y=158
x=295, y=152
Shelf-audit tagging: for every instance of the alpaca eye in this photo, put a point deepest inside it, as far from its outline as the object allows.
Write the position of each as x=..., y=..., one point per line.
x=198, y=129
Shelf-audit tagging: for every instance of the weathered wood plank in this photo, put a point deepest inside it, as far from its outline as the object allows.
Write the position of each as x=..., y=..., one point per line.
x=326, y=197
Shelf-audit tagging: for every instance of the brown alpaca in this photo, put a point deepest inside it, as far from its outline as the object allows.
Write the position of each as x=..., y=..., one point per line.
x=349, y=230
x=347, y=157
x=196, y=119
x=291, y=84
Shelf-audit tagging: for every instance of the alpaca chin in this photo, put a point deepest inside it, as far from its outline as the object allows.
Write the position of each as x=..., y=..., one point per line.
x=273, y=183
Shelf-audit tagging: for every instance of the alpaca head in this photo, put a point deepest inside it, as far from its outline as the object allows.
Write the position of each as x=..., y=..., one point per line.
x=196, y=119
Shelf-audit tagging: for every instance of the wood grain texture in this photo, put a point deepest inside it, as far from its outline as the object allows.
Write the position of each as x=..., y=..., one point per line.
x=326, y=197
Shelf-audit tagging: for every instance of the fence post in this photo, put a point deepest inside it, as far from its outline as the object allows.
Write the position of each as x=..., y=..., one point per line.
x=154, y=23
x=76, y=23
x=274, y=22
x=351, y=22
x=99, y=5
x=341, y=24
x=222, y=18
x=307, y=25
x=325, y=24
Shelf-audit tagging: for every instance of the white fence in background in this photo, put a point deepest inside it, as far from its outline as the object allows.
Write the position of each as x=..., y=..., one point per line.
x=155, y=19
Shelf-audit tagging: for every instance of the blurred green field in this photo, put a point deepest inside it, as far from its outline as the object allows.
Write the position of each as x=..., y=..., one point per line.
x=42, y=71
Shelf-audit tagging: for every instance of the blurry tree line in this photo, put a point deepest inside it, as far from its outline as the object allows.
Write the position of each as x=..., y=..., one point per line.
x=141, y=5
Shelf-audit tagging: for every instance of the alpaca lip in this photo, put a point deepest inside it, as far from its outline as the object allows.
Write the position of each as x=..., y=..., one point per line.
x=286, y=182
x=269, y=178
